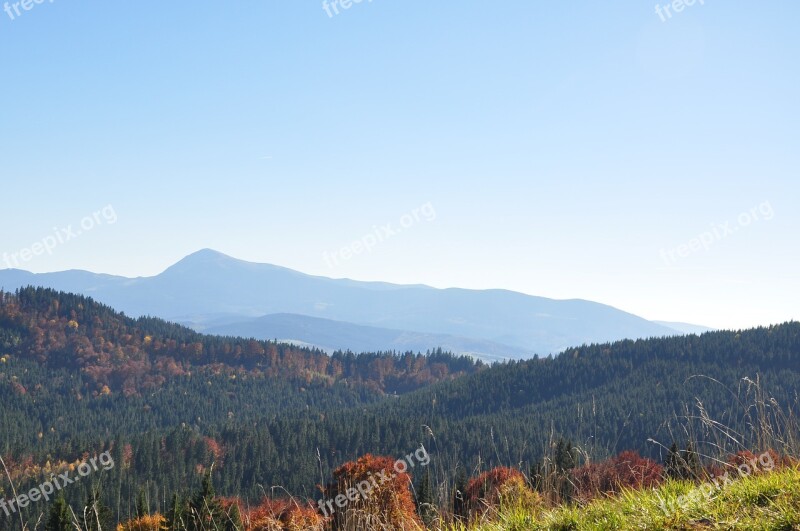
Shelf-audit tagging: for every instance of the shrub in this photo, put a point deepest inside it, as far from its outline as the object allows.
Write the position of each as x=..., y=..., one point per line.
x=501, y=486
x=627, y=470
x=378, y=496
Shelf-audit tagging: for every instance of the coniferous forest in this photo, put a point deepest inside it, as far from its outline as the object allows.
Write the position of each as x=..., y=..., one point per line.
x=183, y=415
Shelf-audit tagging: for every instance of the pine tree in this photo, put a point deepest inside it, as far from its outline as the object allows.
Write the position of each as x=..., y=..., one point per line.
x=176, y=517
x=565, y=456
x=141, y=504
x=673, y=466
x=459, y=494
x=426, y=502
x=233, y=520
x=205, y=511
x=59, y=518
x=95, y=515
x=565, y=460
x=691, y=463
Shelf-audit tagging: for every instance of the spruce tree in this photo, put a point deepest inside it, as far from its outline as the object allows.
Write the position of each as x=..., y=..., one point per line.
x=673, y=467
x=426, y=502
x=459, y=494
x=141, y=504
x=95, y=516
x=691, y=463
x=176, y=517
x=59, y=518
x=233, y=520
x=565, y=460
x=205, y=511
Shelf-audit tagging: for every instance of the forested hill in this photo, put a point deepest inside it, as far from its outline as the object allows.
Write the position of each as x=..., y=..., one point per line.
x=77, y=377
x=131, y=356
x=628, y=395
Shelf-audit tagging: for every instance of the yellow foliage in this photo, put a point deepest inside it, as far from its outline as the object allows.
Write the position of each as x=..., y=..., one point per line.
x=153, y=522
x=72, y=323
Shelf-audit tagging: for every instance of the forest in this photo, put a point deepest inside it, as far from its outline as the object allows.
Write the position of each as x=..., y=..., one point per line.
x=182, y=413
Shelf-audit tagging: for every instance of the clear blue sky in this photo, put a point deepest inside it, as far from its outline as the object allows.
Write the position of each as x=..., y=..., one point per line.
x=568, y=149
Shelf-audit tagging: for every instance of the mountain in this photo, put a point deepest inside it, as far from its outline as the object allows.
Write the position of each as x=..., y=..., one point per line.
x=208, y=285
x=685, y=328
x=330, y=336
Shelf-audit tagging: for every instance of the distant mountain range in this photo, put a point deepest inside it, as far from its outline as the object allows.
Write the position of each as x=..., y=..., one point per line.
x=217, y=294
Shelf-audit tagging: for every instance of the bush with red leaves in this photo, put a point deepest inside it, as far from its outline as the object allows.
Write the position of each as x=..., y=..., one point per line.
x=627, y=470
x=500, y=485
x=375, y=493
x=282, y=515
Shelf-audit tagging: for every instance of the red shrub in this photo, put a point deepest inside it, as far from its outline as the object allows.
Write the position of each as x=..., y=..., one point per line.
x=377, y=494
x=498, y=485
x=627, y=470
x=282, y=515
x=749, y=463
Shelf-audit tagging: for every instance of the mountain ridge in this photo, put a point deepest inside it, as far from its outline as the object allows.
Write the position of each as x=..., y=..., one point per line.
x=208, y=282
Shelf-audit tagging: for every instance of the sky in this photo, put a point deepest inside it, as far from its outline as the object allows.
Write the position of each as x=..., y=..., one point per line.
x=593, y=150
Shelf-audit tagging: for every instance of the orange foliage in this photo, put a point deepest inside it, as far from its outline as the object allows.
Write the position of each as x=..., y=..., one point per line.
x=214, y=447
x=154, y=522
x=131, y=357
x=496, y=486
x=282, y=515
x=627, y=470
x=375, y=495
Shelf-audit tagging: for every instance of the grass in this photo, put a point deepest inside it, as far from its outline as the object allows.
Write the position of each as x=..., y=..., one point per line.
x=761, y=502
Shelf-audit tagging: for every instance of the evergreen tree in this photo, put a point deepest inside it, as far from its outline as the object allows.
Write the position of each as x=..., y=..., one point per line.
x=95, y=516
x=566, y=457
x=141, y=504
x=673, y=466
x=459, y=496
x=426, y=501
x=565, y=460
x=691, y=463
x=59, y=518
x=176, y=517
x=233, y=520
x=205, y=511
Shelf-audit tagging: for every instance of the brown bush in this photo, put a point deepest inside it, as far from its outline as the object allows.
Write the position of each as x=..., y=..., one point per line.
x=282, y=515
x=375, y=495
x=496, y=487
x=627, y=470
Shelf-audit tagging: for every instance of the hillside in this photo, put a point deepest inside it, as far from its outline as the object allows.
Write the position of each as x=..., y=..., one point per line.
x=136, y=355
x=768, y=501
x=75, y=375
x=330, y=335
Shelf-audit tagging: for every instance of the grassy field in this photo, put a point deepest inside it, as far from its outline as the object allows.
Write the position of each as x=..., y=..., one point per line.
x=761, y=502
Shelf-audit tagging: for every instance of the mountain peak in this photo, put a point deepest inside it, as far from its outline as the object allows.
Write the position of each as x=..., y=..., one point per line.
x=208, y=254
x=202, y=259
